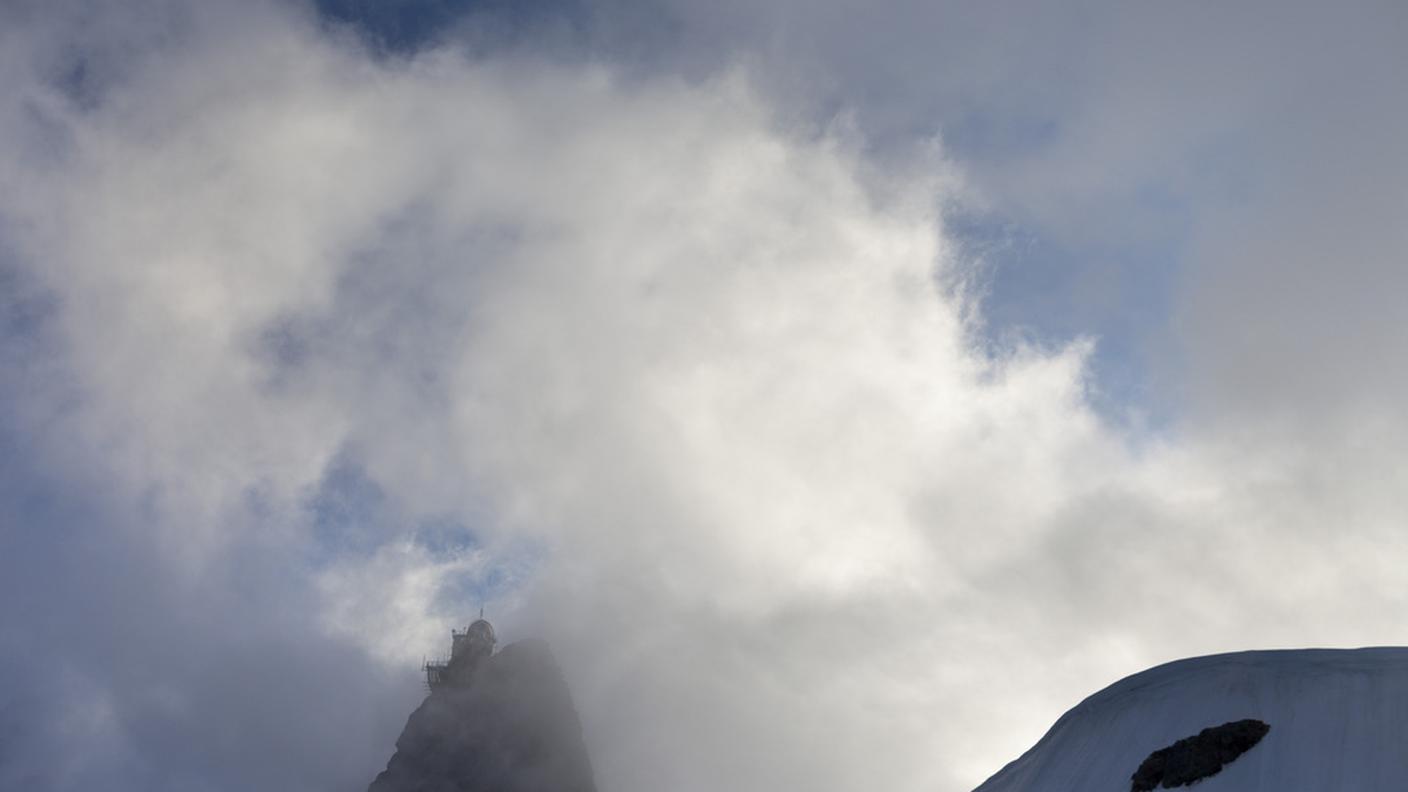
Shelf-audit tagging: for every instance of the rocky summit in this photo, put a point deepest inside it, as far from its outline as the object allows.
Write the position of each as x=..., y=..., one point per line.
x=504, y=724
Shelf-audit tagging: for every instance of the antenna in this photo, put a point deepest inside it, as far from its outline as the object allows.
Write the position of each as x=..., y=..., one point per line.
x=481, y=611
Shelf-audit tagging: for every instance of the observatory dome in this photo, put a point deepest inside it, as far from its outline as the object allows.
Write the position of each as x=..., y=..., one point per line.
x=481, y=633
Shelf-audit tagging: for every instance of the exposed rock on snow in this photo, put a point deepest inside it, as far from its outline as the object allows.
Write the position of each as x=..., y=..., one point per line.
x=1200, y=756
x=1338, y=720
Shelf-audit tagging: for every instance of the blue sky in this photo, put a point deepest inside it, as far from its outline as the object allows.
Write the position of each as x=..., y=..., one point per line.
x=843, y=390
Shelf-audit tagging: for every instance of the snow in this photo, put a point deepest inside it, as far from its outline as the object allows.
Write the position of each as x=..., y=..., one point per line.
x=1338, y=717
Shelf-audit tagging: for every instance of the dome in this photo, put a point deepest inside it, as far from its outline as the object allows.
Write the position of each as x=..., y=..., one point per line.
x=475, y=642
x=481, y=632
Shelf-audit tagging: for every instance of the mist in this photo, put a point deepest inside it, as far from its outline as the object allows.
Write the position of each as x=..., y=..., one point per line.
x=314, y=348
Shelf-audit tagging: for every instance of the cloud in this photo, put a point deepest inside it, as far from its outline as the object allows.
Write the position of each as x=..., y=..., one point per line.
x=321, y=349
x=1203, y=187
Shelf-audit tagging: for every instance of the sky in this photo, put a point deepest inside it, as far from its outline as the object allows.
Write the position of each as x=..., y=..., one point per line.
x=844, y=390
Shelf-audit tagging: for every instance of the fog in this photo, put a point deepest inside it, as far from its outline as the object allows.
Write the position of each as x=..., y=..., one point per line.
x=689, y=360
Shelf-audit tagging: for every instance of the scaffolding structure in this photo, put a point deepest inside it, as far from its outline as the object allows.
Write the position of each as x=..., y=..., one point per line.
x=467, y=648
x=437, y=673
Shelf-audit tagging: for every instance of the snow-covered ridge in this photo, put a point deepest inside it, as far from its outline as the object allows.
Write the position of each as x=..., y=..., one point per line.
x=1338, y=717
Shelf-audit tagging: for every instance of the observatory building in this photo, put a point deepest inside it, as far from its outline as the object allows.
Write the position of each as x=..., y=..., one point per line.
x=466, y=650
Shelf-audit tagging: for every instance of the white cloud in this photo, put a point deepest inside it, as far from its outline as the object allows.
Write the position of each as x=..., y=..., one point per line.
x=386, y=603
x=791, y=526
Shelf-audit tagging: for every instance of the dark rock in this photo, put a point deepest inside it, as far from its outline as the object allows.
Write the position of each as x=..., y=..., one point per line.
x=511, y=727
x=1195, y=758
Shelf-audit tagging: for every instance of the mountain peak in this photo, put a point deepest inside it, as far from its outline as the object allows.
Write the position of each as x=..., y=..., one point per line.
x=492, y=723
x=1287, y=720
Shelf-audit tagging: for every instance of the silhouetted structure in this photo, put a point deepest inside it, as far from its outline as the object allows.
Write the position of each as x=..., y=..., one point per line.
x=493, y=722
x=467, y=649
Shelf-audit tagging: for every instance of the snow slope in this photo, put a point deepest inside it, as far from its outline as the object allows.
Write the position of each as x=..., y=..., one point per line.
x=1338, y=717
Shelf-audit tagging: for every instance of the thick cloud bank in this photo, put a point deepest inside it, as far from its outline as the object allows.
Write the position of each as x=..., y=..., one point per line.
x=310, y=352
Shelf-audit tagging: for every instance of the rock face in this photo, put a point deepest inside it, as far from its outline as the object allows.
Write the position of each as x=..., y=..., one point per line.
x=509, y=727
x=1203, y=755
x=1304, y=720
